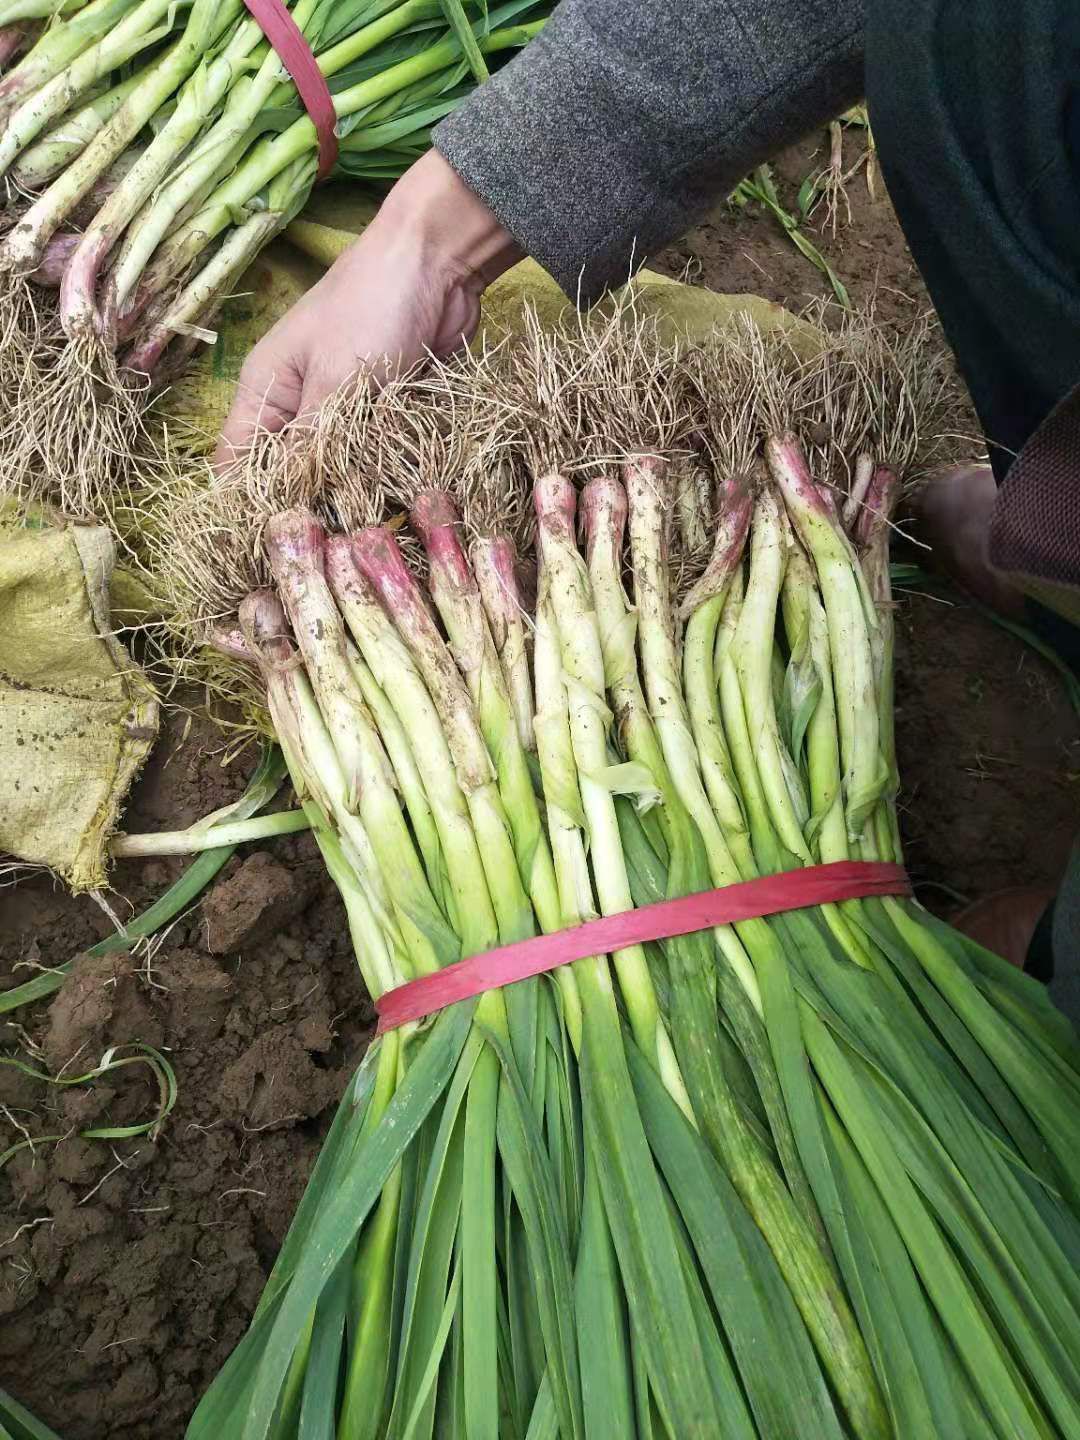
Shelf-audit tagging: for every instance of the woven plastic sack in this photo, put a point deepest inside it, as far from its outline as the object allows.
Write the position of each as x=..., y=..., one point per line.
x=77, y=716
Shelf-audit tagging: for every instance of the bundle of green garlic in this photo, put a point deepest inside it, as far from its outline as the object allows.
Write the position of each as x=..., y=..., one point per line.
x=149, y=151
x=553, y=632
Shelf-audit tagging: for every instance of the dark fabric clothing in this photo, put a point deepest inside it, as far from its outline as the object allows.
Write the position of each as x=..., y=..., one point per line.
x=976, y=110
x=1039, y=961
x=1035, y=538
x=624, y=121
x=1065, y=981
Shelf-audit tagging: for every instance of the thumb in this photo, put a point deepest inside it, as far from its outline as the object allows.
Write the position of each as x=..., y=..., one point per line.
x=321, y=382
x=267, y=398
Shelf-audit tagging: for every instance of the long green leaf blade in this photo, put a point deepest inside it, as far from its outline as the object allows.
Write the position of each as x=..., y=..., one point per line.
x=424, y=1083
x=478, y=1276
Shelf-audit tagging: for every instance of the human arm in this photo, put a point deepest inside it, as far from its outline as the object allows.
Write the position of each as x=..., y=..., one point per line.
x=622, y=123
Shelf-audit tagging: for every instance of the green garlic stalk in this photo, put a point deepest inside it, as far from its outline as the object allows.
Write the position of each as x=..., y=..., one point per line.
x=210, y=159
x=872, y=530
x=808, y=641
x=583, y=667
x=393, y=669
x=12, y=12
x=493, y=563
x=45, y=159
x=409, y=780
x=701, y=609
x=293, y=544
x=851, y=621
x=751, y=652
x=458, y=600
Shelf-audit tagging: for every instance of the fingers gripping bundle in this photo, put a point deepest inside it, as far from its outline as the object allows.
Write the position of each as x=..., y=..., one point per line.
x=811, y=1175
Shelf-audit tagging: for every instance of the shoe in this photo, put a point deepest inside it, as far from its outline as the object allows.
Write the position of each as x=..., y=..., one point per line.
x=1006, y=921
x=952, y=514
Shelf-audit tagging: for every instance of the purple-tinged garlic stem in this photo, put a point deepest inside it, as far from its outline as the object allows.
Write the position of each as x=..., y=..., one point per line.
x=494, y=563
x=734, y=508
x=294, y=543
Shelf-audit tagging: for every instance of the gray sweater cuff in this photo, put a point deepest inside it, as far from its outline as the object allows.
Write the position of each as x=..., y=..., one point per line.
x=626, y=119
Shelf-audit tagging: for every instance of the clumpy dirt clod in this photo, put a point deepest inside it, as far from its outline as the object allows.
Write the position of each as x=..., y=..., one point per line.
x=252, y=904
x=94, y=1002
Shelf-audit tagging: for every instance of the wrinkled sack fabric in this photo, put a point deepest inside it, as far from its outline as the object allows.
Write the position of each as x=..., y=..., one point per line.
x=77, y=716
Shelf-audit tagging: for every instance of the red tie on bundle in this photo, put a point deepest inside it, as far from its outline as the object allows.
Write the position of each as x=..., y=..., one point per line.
x=771, y=895
x=291, y=46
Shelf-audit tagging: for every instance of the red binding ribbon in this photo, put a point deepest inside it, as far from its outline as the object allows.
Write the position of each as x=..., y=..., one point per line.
x=749, y=900
x=294, y=52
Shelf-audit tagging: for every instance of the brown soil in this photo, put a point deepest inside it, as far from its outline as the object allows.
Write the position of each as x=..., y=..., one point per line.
x=741, y=249
x=128, y=1270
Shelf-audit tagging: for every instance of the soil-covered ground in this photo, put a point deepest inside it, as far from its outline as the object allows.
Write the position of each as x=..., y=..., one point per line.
x=129, y=1269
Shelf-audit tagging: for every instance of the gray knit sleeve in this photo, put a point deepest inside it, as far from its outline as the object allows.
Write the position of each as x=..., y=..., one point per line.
x=625, y=119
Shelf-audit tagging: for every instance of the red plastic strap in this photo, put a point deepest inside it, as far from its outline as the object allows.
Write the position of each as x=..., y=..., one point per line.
x=294, y=52
x=772, y=894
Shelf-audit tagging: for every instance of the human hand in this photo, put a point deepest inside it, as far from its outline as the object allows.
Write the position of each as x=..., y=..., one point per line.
x=411, y=283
